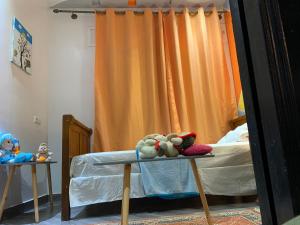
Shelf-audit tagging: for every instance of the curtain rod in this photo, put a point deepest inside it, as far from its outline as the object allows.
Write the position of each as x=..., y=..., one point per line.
x=121, y=11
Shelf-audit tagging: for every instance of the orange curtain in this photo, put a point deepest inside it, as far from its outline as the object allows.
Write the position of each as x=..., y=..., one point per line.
x=198, y=74
x=233, y=55
x=130, y=87
x=159, y=73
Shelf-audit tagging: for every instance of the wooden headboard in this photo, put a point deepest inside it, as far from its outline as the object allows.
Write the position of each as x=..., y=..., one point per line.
x=238, y=121
x=76, y=140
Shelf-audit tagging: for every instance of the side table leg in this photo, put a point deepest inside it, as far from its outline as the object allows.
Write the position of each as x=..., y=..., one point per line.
x=6, y=188
x=50, y=185
x=126, y=194
x=35, y=193
x=201, y=191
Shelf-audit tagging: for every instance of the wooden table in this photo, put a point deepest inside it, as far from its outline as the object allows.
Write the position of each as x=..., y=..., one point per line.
x=126, y=182
x=12, y=167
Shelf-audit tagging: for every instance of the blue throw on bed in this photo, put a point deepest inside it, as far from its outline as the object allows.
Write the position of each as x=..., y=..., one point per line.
x=168, y=179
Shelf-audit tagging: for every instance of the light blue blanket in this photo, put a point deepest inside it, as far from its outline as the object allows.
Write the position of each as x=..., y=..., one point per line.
x=168, y=179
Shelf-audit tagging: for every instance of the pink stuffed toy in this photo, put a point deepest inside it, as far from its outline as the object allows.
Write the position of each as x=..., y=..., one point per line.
x=197, y=150
x=186, y=144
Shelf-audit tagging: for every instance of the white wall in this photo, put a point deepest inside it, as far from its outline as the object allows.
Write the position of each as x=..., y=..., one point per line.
x=23, y=96
x=71, y=72
x=61, y=83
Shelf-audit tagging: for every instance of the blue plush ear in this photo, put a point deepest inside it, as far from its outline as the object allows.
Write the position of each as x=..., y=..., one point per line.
x=16, y=141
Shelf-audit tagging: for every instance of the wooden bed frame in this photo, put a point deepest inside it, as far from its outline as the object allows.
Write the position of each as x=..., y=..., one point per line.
x=76, y=140
x=240, y=120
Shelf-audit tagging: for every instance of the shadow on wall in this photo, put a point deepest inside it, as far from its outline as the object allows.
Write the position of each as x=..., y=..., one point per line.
x=21, y=189
x=14, y=194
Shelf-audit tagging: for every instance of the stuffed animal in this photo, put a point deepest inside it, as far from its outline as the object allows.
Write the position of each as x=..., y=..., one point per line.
x=6, y=142
x=10, y=150
x=6, y=146
x=185, y=144
x=16, y=146
x=151, y=146
x=23, y=157
x=43, y=155
x=188, y=139
x=183, y=140
x=20, y=157
x=173, y=141
x=197, y=149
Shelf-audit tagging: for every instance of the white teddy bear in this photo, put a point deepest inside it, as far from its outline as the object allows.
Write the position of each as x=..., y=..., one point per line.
x=151, y=146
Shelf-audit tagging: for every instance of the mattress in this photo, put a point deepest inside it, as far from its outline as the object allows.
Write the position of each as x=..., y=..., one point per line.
x=229, y=173
x=83, y=165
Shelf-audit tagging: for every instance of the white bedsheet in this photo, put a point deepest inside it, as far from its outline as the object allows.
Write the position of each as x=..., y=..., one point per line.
x=228, y=154
x=98, y=189
x=230, y=173
x=83, y=165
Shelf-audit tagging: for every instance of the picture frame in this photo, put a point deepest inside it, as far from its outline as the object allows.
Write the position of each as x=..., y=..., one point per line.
x=21, y=49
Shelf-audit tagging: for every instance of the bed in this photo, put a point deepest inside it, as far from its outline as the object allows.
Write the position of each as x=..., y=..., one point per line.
x=229, y=173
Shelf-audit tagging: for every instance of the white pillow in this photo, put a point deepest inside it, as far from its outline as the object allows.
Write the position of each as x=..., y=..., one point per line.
x=237, y=135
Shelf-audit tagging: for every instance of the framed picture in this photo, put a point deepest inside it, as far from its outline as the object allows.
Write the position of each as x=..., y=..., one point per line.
x=21, y=46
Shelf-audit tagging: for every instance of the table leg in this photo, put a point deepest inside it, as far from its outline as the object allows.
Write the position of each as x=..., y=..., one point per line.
x=201, y=191
x=50, y=185
x=6, y=188
x=126, y=194
x=35, y=193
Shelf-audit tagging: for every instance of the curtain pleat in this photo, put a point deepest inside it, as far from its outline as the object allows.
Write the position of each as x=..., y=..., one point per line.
x=198, y=73
x=130, y=84
x=160, y=73
x=233, y=55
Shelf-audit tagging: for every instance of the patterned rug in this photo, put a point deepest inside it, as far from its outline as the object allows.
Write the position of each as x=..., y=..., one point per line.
x=248, y=216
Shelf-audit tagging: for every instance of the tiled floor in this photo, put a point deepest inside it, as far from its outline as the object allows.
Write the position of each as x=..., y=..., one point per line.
x=92, y=214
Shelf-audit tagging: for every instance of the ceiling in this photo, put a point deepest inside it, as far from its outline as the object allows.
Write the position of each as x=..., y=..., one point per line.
x=221, y=4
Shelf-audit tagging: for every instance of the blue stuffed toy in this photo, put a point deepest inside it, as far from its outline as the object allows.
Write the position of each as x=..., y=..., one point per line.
x=6, y=146
x=20, y=156
x=10, y=150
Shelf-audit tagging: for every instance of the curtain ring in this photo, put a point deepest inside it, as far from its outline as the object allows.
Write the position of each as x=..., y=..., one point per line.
x=119, y=12
x=138, y=13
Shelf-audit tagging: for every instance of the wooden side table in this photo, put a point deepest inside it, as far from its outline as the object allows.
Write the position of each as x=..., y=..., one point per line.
x=12, y=168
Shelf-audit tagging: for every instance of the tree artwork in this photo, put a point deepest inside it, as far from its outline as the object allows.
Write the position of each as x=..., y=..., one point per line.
x=24, y=51
x=22, y=44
